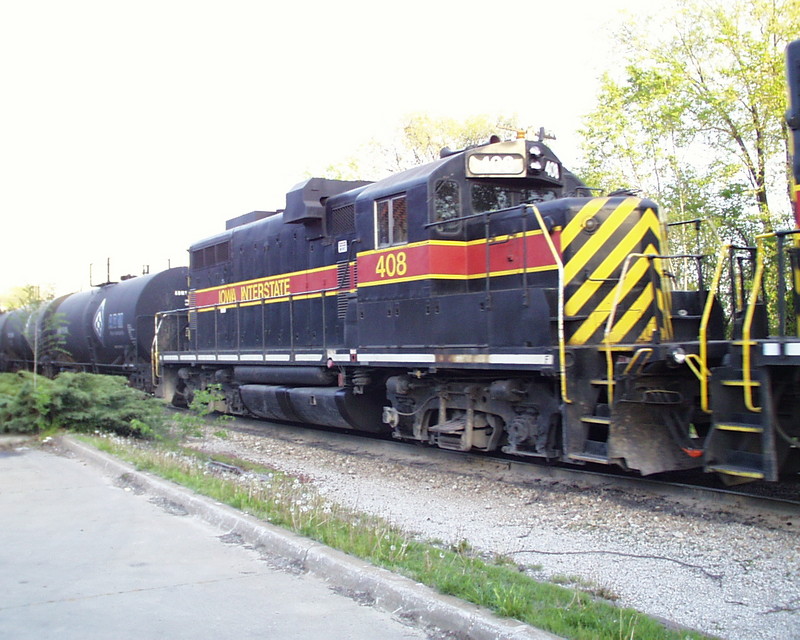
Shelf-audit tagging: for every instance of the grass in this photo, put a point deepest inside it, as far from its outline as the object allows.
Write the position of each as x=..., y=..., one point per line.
x=572, y=610
x=496, y=584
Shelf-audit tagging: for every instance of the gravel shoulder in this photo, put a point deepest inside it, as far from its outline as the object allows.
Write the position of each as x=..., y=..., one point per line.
x=734, y=576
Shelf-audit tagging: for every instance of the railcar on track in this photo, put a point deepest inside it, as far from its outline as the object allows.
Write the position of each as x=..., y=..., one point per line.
x=486, y=301
x=106, y=329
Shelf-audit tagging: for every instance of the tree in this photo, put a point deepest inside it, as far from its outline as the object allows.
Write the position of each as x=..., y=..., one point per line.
x=419, y=139
x=41, y=328
x=695, y=119
x=24, y=296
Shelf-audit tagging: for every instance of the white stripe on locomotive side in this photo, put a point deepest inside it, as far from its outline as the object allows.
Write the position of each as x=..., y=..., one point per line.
x=537, y=359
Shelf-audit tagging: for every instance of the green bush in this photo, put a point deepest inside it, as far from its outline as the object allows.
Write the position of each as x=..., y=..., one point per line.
x=79, y=402
x=25, y=407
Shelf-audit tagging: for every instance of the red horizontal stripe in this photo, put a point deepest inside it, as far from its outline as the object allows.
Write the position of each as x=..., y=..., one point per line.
x=457, y=260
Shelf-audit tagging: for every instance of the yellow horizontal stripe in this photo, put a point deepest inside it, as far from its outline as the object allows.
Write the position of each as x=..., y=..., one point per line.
x=253, y=303
x=450, y=243
x=451, y=276
x=412, y=245
x=740, y=383
x=738, y=427
x=330, y=267
x=737, y=472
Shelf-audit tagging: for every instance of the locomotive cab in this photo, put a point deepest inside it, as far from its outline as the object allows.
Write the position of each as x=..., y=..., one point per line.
x=453, y=239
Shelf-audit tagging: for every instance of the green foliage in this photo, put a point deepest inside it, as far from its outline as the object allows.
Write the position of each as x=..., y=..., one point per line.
x=207, y=401
x=204, y=403
x=26, y=296
x=419, y=138
x=86, y=402
x=694, y=115
x=79, y=402
x=25, y=407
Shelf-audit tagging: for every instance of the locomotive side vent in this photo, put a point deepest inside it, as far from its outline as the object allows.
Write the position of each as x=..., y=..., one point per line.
x=343, y=220
x=344, y=284
x=192, y=314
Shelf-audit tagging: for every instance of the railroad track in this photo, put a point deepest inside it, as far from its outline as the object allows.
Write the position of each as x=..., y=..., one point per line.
x=781, y=499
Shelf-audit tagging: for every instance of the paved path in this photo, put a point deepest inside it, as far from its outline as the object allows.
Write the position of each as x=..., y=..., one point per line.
x=81, y=558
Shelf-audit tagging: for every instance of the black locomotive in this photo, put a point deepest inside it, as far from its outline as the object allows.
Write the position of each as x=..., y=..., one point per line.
x=486, y=301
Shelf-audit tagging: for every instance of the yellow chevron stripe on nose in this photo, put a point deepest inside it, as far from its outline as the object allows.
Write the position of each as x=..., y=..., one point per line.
x=596, y=241
x=599, y=315
x=575, y=226
x=614, y=261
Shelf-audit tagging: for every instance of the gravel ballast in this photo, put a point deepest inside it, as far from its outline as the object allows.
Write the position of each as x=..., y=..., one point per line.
x=699, y=566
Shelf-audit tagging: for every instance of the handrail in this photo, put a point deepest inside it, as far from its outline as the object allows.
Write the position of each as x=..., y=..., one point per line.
x=702, y=369
x=155, y=350
x=612, y=315
x=747, y=325
x=562, y=343
x=155, y=371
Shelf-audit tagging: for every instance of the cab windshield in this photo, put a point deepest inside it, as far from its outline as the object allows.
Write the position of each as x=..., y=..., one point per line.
x=487, y=196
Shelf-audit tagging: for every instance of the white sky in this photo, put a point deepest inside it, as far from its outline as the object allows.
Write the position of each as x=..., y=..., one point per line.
x=129, y=130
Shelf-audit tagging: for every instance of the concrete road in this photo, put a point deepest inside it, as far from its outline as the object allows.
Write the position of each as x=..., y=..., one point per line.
x=81, y=558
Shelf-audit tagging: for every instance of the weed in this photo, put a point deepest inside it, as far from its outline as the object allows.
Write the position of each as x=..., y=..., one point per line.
x=499, y=585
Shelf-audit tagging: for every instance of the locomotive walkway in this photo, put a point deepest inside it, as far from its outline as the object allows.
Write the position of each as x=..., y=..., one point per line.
x=90, y=548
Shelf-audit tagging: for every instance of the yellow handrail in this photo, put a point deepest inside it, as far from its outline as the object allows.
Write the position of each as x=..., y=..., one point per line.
x=747, y=325
x=612, y=316
x=703, y=370
x=647, y=352
x=154, y=368
x=562, y=348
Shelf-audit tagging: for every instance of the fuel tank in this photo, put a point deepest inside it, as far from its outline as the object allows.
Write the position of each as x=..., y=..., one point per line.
x=328, y=406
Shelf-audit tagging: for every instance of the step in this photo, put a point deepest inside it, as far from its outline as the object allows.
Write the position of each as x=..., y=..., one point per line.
x=741, y=472
x=739, y=426
x=449, y=427
x=588, y=457
x=741, y=383
x=661, y=397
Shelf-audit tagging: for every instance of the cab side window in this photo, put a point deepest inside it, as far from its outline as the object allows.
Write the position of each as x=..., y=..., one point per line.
x=391, y=222
x=447, y=205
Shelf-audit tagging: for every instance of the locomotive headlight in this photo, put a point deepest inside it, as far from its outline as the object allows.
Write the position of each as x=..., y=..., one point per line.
x=535, y=163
